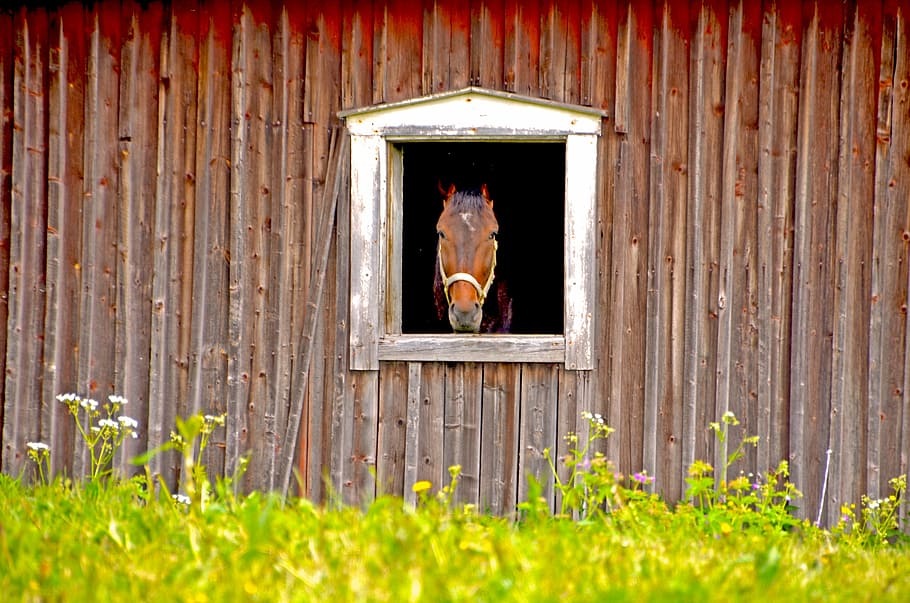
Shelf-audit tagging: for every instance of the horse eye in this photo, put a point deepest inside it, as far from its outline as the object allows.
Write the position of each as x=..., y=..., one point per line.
x=441, y=234
x=493, y=234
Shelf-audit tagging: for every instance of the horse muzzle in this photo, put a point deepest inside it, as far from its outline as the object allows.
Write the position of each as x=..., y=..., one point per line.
x=465, y=320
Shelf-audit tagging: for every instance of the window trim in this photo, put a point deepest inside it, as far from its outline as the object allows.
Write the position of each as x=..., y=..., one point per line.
x=479, y=115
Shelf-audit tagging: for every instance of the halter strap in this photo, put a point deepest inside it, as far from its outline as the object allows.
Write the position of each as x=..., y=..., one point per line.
x=464, y=276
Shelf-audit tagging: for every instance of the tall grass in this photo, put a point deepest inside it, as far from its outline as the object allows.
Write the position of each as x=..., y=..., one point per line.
x=119, y=540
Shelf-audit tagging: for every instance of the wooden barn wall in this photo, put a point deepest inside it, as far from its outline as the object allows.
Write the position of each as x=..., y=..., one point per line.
x=174, y=229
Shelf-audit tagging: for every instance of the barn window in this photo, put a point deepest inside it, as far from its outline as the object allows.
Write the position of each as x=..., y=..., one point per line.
x=539, y=161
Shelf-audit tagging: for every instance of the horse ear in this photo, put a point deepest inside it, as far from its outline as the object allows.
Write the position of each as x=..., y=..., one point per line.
x=485, y=193
x=446, y=194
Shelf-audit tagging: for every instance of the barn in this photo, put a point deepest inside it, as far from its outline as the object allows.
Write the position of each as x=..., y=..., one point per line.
x=229, y=207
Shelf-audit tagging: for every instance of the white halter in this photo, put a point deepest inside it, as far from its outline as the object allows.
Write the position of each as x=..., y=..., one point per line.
x=464, y=276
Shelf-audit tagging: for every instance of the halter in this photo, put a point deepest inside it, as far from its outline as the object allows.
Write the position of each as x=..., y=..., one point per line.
x=464, y=276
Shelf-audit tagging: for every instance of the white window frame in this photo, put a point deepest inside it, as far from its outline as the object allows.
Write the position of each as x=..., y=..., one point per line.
x=476, y=115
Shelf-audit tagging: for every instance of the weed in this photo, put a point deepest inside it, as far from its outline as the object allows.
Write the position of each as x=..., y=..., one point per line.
x=102, y=430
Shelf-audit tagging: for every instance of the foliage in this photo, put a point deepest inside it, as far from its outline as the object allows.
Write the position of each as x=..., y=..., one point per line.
x=614, y=540
x=102, y=430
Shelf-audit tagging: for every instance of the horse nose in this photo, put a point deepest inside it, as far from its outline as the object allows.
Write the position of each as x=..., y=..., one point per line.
x=465, y=317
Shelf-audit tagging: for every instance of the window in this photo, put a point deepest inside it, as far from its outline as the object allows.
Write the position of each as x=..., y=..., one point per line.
x=523, y=149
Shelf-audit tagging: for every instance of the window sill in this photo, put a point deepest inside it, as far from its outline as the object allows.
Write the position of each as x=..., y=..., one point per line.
x=473, y=348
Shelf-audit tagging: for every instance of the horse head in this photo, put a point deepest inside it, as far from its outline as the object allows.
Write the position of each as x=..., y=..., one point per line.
x=467, y=231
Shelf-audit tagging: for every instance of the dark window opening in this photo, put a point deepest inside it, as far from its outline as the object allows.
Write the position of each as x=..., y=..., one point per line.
x=527, y=184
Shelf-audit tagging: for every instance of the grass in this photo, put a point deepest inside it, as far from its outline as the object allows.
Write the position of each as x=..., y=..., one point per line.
x=109, y=539
x=68, y=543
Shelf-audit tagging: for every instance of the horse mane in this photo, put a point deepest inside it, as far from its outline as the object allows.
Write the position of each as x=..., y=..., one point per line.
x=469, y=199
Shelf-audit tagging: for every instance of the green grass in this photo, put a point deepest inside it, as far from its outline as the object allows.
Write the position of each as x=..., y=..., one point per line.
x=111, y=541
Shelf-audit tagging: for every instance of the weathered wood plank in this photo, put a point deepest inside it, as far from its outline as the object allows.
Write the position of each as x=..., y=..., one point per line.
x=889, y=352
x=487, y=43
x=171, y=286
x=559, y=51
x=25, y=327
x=499, y=449
x=777, y=132
x=208, y=370
x=853, y=254
x=473, y=348
x=736, y=300
x=393, y=421
x=810, y=380
x=138, y=135
x=7, y=60
x=580, y=252
x=243, y=227
x=287, y=154
x=667, y=252
x=537, y=428
x=66, y=66
x=412, y=433
x=356, y=54
x=568, y=411
x=521, y=47
x=430, y=429
x=446, y=47
x=397, y=38
x=707, y=67
x=462, y=440
x=335, y=188
x=100, y=220
x=630, y=234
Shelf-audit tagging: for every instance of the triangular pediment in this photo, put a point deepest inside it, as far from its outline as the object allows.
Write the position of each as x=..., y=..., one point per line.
x=474, y=111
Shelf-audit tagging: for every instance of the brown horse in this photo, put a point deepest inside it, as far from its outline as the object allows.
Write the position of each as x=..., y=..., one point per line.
x=466, y=254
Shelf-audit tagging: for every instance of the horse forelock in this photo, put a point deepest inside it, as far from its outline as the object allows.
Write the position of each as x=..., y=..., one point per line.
x=468, y=200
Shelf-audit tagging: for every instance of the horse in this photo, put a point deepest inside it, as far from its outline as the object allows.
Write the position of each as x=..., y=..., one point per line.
x=466, y=263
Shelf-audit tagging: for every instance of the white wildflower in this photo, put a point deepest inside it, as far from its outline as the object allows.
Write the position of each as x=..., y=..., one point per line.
x=38, y=446
x=108, y=423
x=183, y=499
x=128, y=422
x=118, y=400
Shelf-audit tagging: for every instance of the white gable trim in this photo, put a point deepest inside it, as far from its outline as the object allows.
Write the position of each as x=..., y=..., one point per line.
x=472, y=114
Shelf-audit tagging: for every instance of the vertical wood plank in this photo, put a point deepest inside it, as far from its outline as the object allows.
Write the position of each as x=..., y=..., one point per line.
x=706, y=65
x=777, y=133
x=537, y=428
x=499, y=449
x=393, y=422
x=412, y=434
x=810, y=381
x=431, y=433
x=667, y=252
x=889, y=396
x=630, y=234
x=446, y=47
x=736, y=302
x=64, y=205
x=521, y=47
x=487, y=43
x=852, y=250
x=138, y=135
x=208, y=370
x=568, y=413
x=171, y=287
x=22, y=413
x=7, y=62
x=356, y=54
x=397, y=38
x=100, y=222
x=464, y=391
x=559, y=51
